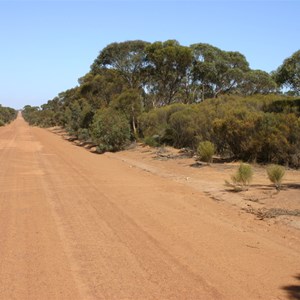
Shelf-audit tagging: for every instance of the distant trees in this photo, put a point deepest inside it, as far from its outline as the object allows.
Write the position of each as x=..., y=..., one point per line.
x=7, y=114
x=257, y=82
x=167, y=93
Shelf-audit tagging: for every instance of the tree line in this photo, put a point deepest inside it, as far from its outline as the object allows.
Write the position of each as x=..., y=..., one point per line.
x=7, y=114
x=166, y=93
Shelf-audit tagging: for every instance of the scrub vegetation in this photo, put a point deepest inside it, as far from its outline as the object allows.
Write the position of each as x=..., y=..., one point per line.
x=164, y=93
x=7, y=114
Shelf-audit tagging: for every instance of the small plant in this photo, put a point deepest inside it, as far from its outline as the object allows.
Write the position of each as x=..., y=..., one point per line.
x=242, y=178
x=275, y=174
x=205, y=151
x=152, y=141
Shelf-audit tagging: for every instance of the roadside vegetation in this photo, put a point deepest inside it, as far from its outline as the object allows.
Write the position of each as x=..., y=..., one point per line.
x=7, y=115
x=164, y=93
x=276, y=174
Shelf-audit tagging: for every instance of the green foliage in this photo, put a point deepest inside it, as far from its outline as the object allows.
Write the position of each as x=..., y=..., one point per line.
x=168, y=63
x=129, y=103
x=152, y=141
x=239, y=127
x=78, y=115
x=126, y=57
x=276, y=174
x=257, y=82
x=110, y=130
x=243, y=175
x=83, y=134
x=156, y=121
x=100, y=89
x=182, y=95
x=288, y=74
x=217, y=71
x=205, y=151
x=181, y=130
x=7, y=114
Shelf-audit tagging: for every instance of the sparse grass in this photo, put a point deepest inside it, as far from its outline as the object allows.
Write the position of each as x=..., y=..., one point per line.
x=268, y=213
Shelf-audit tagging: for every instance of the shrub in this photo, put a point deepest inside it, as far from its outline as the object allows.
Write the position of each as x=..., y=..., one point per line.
x=275, y=174
x=83, y=134
x=205, y=151
x=1, y=123
x=152, y=141
x=243, y=175
x=182, y=129
x=110, y=130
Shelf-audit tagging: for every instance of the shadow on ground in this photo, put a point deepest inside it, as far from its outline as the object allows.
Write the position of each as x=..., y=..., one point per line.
x=293, y=186
x=293, y=291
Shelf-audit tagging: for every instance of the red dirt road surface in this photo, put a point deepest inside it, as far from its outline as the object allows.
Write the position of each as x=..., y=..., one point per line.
x=75, y=225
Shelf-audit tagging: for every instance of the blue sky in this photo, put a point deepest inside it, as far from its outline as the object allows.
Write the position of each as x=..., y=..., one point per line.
x=47, y=45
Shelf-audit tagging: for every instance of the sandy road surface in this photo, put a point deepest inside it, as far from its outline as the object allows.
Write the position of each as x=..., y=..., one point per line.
x=74, y=225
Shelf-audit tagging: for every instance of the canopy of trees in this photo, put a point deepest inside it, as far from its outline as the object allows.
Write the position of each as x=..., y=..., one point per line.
x=288, y=74
x=181, y=95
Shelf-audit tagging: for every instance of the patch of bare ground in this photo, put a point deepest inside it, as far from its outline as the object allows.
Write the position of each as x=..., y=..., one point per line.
x=261, y=198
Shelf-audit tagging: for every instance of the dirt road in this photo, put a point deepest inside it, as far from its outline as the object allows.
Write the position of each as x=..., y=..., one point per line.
x=74, y=225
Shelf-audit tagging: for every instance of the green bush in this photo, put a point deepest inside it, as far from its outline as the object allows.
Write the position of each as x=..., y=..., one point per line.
x=275, y=174
x=83, y=134
x=7, y=114
x=156, y=121
x=152, y=141
x=205, y=151
x=110, y=130
x=181, y=130
x=243, y=175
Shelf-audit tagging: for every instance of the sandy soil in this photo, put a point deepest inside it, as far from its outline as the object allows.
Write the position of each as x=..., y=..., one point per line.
x=75, y=225
x=260, y=197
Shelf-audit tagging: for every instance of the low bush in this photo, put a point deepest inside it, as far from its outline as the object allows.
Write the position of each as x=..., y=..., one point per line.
x=243, y=175
x=152, y=141
x=83, y=134
x=276, y=174
x=205, y=151
x=110, y=130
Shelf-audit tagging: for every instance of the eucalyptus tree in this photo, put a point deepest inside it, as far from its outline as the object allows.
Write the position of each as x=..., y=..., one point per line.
x=167, y=66
x=217, y=71
x=257, y=82
x=128, y=58
x=99, y=89
x=130, y=104
x=288, y=74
